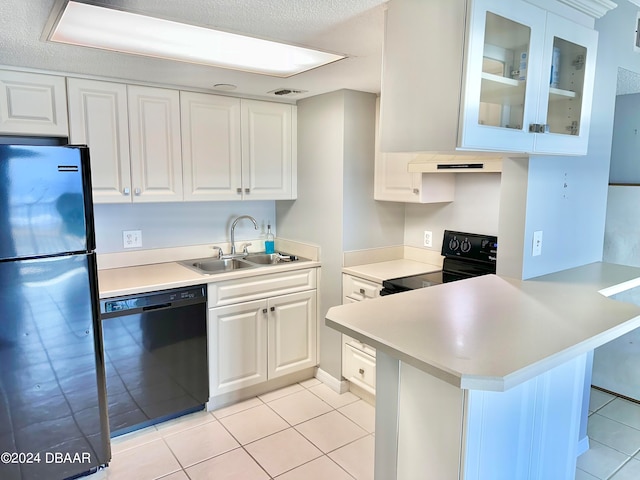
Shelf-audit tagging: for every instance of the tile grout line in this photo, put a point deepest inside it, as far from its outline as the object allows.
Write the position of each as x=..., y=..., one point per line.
x=214, y=418
x=619, y=468
x=324, y=454
x=629, y=457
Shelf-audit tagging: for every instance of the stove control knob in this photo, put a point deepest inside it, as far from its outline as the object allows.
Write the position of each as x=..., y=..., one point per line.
x=454, y=244
x=465, y=246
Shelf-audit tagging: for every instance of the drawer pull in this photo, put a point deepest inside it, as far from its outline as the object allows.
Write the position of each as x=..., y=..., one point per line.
x=362, y=291
x=361, y=371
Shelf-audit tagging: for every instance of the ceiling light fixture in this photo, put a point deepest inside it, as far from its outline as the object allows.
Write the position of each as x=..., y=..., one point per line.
x=117, y=30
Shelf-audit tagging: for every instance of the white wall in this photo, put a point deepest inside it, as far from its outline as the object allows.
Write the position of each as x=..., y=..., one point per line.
x=166, y=225
x=475, y=209
x=367, y=223
x=335, y=207
x=625, y=150
x=622, y=232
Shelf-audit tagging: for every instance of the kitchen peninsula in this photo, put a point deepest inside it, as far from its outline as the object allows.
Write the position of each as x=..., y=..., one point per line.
x=491, y=386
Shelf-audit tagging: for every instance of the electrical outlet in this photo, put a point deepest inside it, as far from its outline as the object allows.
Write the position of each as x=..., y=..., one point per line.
x=428, y=238
x=537, y=244
x=132, y=238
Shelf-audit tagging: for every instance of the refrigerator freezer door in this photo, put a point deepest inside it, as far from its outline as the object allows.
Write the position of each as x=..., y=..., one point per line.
x=44, y=205
x=52, y=384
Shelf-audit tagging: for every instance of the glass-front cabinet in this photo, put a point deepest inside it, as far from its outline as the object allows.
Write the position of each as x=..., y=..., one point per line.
x=529, y=80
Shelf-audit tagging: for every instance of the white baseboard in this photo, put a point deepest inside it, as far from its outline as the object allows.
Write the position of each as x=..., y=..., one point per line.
x=339, y=386
x=583, y=445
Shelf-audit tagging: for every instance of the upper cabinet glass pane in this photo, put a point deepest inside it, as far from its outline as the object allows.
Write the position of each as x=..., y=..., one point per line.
x=504, y=72
x=566, y=86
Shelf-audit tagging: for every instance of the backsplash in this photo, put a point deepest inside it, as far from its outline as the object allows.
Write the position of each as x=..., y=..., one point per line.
x=166, y=225
x=475, y=209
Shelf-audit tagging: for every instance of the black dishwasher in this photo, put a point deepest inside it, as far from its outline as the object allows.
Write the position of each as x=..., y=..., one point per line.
x=155, y=347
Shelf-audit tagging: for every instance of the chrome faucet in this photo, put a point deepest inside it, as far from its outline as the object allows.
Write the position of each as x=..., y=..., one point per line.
x=233, y=229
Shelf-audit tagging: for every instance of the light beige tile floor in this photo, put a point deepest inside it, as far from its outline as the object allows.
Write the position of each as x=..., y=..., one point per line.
x=614, y=439
x=302, y=432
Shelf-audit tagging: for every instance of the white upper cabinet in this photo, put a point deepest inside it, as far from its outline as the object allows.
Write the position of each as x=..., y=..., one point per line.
x=495, y=76
x=154, y=135
x=33, y=104
x=237, y=149
x=98, y=118
x=211, y=146
x=269, y=167
x=394, y=183
x=133, y=134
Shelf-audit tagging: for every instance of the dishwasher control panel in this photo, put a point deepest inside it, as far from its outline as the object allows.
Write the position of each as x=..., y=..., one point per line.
x=145, y=301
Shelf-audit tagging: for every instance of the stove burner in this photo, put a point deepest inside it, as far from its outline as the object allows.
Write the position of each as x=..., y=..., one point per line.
x=466, y=255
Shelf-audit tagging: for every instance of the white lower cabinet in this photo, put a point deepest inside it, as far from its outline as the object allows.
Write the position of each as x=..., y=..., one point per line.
x=359, y=367
x=237, y=346
x=291, y=333
x=359, y=359
x=251, y=342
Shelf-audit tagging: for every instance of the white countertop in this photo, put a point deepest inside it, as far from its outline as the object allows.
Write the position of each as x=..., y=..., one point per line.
x=491, y=332
x=160, y=276
x=377, y=272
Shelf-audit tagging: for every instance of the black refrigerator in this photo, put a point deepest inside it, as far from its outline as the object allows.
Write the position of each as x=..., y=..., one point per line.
x=53, y=410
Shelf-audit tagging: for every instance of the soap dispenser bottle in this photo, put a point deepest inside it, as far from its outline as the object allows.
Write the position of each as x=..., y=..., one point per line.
x=269, y=242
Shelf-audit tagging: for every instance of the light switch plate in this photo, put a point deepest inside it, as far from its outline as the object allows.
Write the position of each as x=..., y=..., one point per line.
x=132, y=238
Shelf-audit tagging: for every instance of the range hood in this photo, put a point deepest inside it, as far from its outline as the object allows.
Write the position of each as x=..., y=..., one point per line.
x=459, y=162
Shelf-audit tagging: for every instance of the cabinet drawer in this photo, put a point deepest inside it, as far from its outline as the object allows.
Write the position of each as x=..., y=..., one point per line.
x=261, y=286
x=359, y=289
x=358, y=345
x=359, y=368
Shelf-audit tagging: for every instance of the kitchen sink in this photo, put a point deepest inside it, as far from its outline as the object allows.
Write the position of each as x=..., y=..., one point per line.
x=210, y=266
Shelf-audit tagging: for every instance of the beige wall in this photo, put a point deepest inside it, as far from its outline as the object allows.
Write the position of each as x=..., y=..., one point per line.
x=335, y=207
x=475, y=209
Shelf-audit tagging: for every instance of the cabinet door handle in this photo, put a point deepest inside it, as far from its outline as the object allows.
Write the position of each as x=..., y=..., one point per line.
x=264, y=310
x=246, y=190
x=416, y=191
x=538, y=128
x=361, y=371
x=126, y=191
x=362, y=291
x=238, y=190
x=137, y=191
x=273, y=309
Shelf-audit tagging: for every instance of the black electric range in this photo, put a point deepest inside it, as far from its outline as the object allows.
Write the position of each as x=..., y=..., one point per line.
x=466, y=255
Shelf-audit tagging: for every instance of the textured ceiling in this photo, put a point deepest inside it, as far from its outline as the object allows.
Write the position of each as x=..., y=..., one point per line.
x=351, y=27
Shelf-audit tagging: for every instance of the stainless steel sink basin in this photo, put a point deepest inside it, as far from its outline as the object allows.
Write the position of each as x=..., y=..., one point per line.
x=263, y=258
x=210, y=266
x=269, y=258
